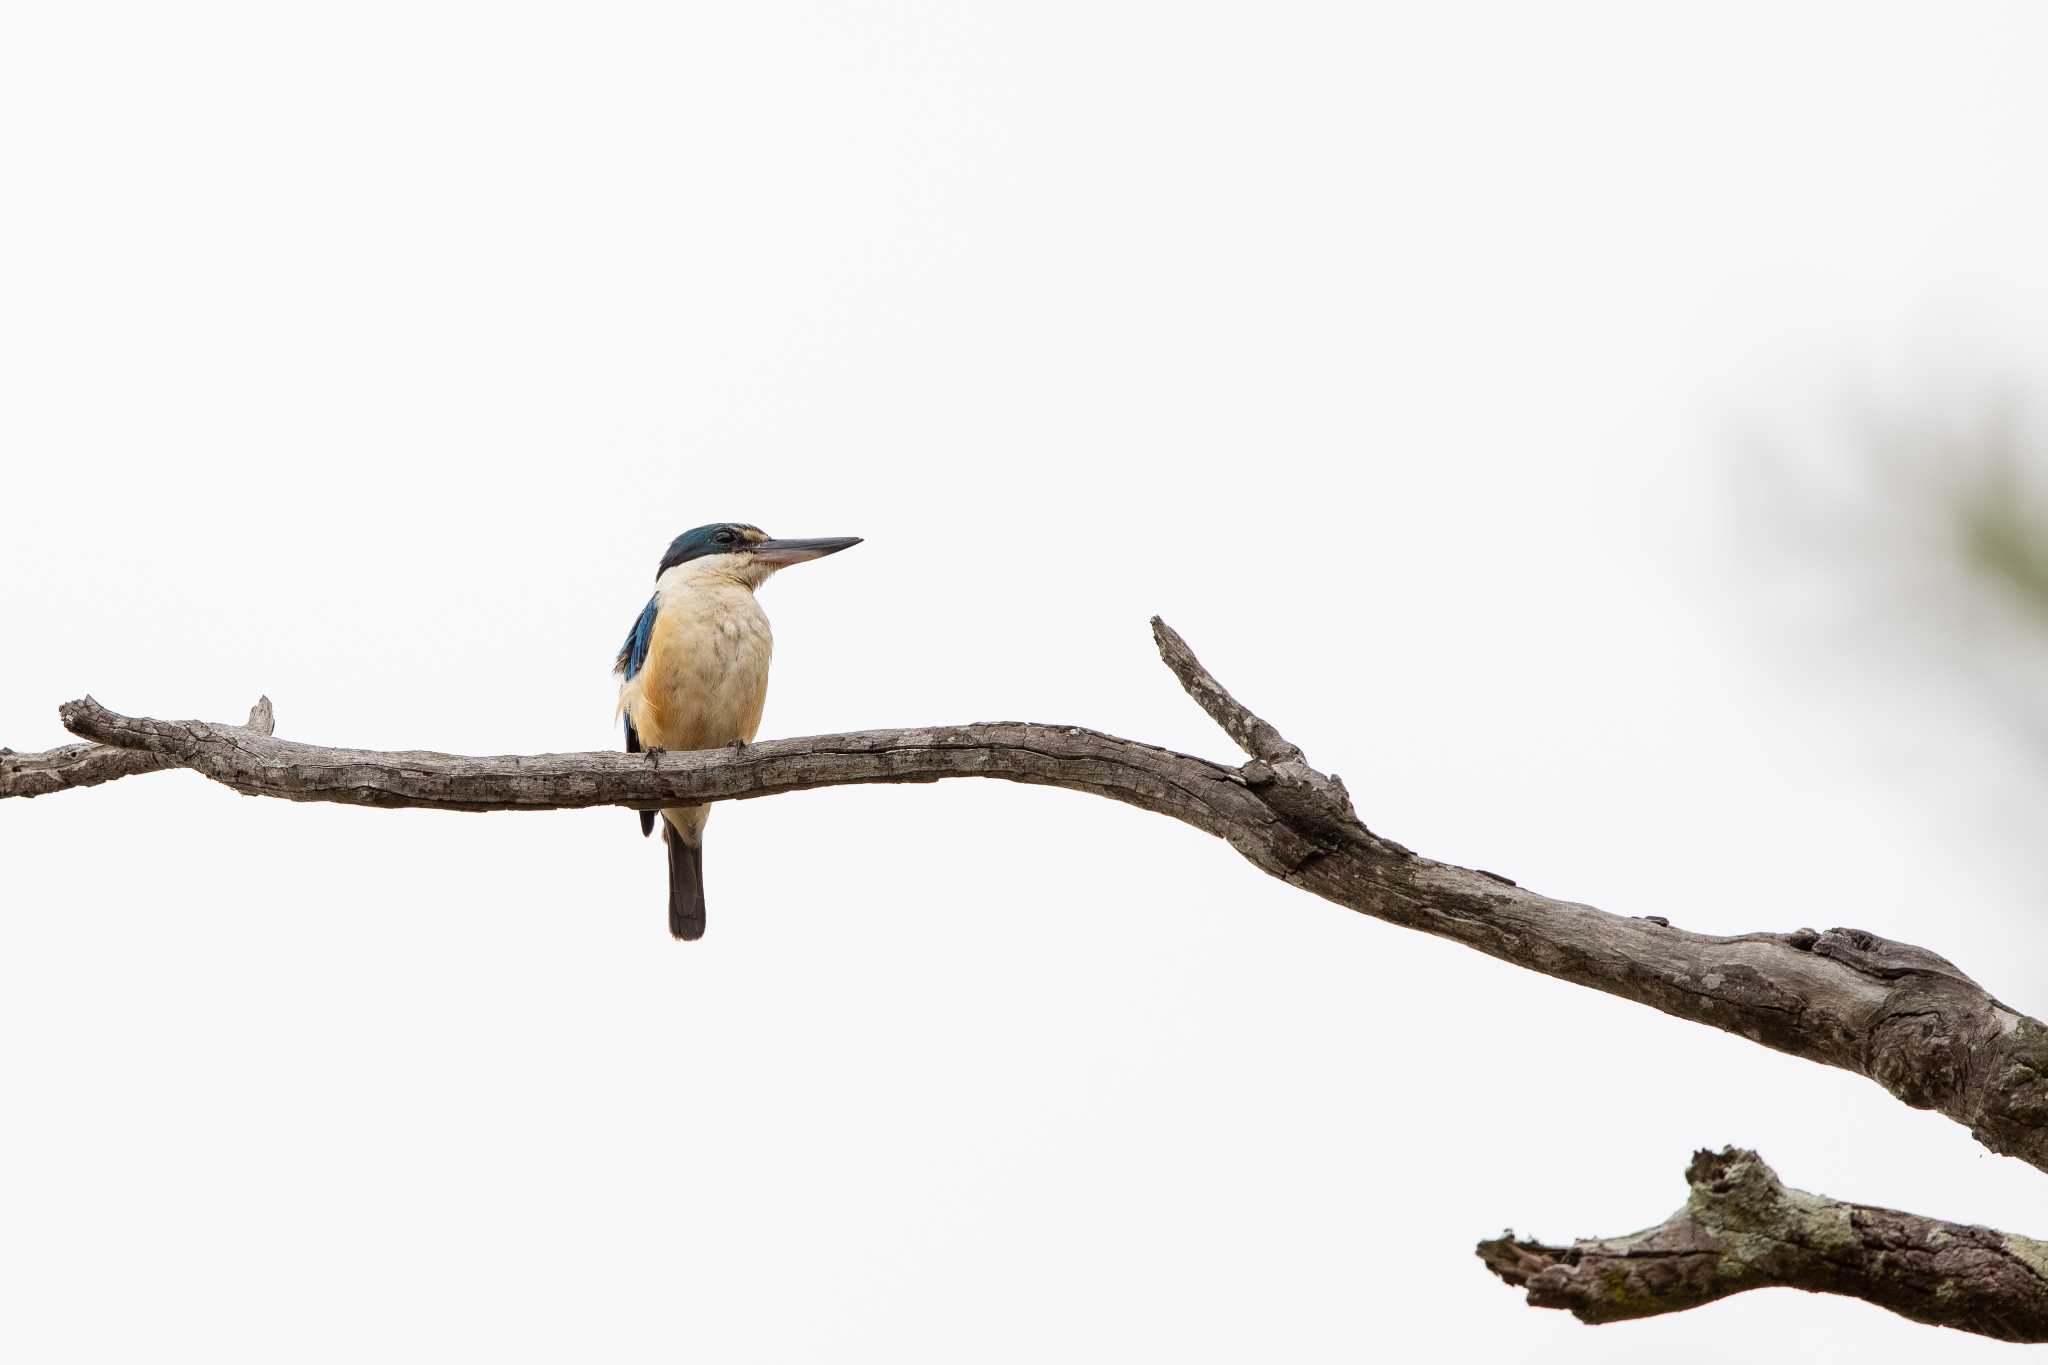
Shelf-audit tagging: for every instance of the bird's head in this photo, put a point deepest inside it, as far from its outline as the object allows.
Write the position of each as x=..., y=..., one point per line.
x=736, y=550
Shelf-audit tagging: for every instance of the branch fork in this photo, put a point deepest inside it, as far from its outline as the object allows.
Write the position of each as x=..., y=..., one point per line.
x=1315, y=803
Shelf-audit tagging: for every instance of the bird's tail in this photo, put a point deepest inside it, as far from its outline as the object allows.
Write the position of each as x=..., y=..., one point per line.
x=685, y=885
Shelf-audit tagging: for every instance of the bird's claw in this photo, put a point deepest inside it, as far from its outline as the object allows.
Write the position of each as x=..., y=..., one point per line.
x=737, y=745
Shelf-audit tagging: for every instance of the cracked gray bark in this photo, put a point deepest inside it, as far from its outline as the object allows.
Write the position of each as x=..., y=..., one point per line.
x=1903, y=1016
x=1741, y=1229
x=88, y=765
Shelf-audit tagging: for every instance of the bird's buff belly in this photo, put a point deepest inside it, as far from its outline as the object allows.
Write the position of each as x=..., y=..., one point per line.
x=704, y=683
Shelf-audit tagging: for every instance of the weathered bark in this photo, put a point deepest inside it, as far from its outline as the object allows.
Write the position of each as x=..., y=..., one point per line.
x=88, y=765
x=1742, y=1229
x=1901, y=1015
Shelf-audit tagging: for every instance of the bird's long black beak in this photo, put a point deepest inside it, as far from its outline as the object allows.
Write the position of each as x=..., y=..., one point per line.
x=781, y=553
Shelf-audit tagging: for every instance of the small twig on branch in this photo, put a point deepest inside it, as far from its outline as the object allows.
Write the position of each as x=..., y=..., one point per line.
x=1742, y=1229
x=1250, y=733
x=1315, y=802
x=1903, y=1016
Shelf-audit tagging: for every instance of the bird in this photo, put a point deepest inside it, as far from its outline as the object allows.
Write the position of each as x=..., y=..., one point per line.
x=693, y=674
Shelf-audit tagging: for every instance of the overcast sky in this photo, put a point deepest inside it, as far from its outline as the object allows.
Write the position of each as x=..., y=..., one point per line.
x=1411, y=359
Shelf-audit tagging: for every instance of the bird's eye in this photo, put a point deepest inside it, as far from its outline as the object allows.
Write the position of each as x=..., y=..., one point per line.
x=725, y=537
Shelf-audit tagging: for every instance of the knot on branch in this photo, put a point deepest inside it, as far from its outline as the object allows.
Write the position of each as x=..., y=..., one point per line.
x=1938, y=1041
x=1735, y=1194
x=1885, y=958
x=1315, y=803
x=1732, y=1171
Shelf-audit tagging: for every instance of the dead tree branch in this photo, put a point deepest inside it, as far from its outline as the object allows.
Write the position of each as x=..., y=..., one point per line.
x=1742, y=1229
x=1903, y=1016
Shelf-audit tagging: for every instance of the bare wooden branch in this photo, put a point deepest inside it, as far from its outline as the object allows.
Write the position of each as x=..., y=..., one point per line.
x=1742, y=1229
x=88, y=765
x=1901, y=1015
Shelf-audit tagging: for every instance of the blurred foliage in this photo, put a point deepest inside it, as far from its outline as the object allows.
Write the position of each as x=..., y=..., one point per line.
x=1903, y=551
x=2002, y=515
x=1959, y=487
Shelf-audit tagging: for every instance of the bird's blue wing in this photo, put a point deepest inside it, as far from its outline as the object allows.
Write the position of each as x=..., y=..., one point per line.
x=632, y=655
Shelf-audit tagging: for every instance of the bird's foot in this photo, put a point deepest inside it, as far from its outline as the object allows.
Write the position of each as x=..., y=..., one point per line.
x=737, y=744
x=652, y=749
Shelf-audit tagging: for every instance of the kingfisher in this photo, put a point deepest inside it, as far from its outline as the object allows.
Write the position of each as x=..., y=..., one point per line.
x=694, y=673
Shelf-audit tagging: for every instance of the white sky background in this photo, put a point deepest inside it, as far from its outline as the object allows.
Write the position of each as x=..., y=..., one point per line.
x=370, y=356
